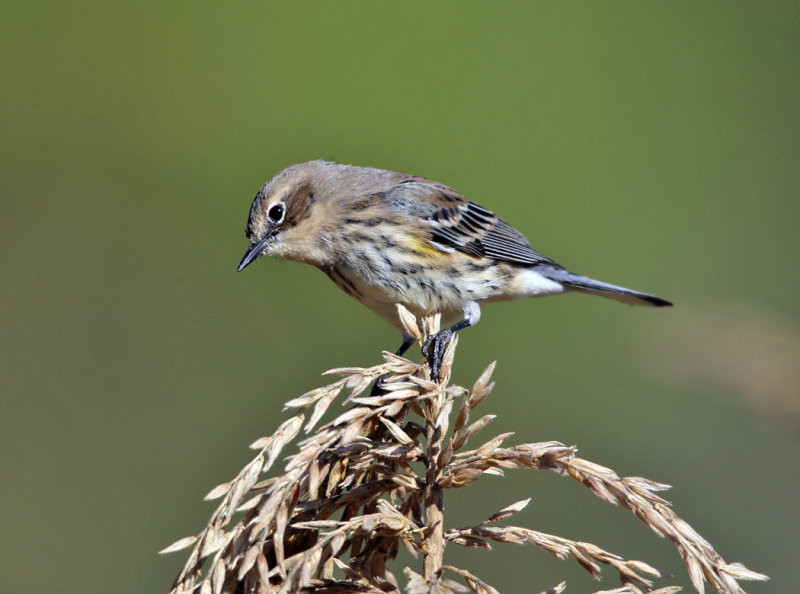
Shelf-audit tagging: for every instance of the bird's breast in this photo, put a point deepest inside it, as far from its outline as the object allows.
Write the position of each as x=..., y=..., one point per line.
x=425, y=280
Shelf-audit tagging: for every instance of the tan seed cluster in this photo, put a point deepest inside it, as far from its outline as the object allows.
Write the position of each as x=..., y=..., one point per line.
x=374, y=478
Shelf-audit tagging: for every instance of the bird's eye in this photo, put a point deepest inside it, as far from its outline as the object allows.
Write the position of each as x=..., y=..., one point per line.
x=276, y=213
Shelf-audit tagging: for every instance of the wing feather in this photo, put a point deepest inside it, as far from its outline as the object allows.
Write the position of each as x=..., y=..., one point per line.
x=459, y=224
x=477, y=231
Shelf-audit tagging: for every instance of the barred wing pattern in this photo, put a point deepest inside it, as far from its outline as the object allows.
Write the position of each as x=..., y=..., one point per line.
x=459, y=224
x=474, y=230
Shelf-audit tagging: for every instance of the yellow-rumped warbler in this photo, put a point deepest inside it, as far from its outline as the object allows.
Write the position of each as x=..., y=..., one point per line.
x=386, y=238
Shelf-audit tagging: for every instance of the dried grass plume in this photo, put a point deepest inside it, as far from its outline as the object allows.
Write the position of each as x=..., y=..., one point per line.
x=373, y=480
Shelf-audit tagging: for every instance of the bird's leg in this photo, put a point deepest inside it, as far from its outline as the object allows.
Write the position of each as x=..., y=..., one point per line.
x=408, y=340
x=436, y=344
x=377, y=387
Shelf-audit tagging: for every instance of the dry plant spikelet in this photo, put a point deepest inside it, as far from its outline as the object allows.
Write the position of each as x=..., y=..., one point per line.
x=352, y=495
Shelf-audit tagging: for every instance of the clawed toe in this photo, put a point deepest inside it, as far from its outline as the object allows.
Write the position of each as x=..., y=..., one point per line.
x=434, y=349
x=377, y=387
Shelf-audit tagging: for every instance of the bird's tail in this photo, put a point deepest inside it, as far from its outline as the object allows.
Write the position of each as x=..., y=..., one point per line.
x=584, y=284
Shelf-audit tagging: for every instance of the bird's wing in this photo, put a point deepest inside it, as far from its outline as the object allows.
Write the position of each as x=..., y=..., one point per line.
x=456, y=223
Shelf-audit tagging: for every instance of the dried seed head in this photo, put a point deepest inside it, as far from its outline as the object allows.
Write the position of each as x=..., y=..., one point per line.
x=373, y=479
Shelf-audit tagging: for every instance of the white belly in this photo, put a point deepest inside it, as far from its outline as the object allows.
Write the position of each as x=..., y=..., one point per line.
x=436, y=289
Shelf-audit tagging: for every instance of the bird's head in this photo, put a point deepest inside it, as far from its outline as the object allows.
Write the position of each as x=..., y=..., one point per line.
x=286, y=217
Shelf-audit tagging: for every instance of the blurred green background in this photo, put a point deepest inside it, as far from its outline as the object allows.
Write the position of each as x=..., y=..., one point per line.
x=651, y=145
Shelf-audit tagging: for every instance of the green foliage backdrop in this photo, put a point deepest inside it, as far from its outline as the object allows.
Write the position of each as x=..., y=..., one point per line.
x=650, y=144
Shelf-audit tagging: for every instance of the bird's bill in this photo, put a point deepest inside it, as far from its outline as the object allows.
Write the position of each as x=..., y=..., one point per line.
x=253, y=252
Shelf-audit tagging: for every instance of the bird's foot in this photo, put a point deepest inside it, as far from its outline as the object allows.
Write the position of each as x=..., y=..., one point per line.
x=434, y=349
x=377, y=387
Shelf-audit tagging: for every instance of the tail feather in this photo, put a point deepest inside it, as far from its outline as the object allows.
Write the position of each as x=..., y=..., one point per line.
x=584, y=284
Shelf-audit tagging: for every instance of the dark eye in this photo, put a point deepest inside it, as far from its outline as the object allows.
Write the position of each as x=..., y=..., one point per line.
x=276, y=213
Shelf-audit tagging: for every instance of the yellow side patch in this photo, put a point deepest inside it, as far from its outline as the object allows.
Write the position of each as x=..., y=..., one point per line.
x=424, y=248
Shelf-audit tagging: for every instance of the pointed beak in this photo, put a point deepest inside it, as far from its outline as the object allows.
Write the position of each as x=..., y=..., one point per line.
x=253, y=252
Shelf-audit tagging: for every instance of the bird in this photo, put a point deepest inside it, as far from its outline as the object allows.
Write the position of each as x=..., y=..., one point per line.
x=388, y=238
